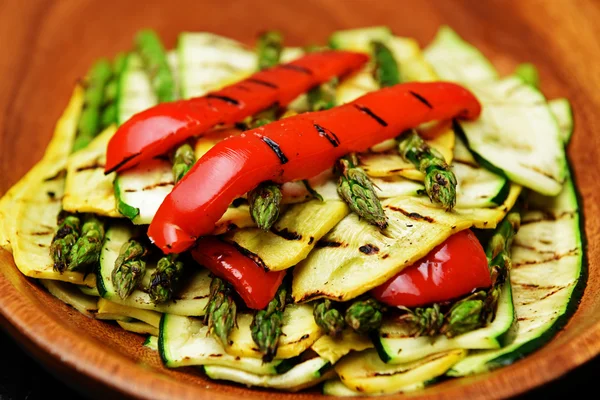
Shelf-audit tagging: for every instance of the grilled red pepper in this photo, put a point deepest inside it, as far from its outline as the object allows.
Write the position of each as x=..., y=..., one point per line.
x=158, y=129
x=254, y=284
x=297, y=148
x=452, y=269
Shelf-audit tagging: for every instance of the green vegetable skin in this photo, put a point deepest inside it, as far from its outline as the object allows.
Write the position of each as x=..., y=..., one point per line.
x=90, y=118
x=269, y=47
x=150, y=48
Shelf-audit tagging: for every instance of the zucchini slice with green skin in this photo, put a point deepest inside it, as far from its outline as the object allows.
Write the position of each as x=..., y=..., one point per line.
x=335, y=387
x=301, y=376
x=151, y=342
x=562, y=111
x=364, y=371
x=185, y=341
x=190, y=299
x=396, y=347
x=548, y=277
x=453, y=59
x=477, y=186
x=209, y=62
x=141, y=190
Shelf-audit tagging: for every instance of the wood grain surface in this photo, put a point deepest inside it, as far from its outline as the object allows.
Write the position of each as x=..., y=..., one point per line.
x=48, y=45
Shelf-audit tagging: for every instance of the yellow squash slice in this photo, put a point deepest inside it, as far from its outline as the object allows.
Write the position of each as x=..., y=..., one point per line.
x=71, y=295
x=110, y=310
x=293, y=236
x=333, y=349
x=139, y=327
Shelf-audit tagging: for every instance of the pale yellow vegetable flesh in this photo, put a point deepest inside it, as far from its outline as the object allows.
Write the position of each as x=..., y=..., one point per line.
x=293, y=236
x=333, y=349
x=299, y=332
x=108, y=308
x=71, y=295
x=138, y=327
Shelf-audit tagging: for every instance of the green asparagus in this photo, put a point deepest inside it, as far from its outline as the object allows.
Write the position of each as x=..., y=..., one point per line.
x=265, y=201
x=150, y=48
x=424, y=321
x=364, y=316
x=221, y=310
x=269, y=47
x=130, y=267
x=329, y=318
x=88, y=125
x=266, y=325
x=86, y=251
x=165, y=278
x=386, y=71
x=183, y=161
x=66, y=236
x=440, y=182
x=528, y=73
x=355, y=187
x=322, y=97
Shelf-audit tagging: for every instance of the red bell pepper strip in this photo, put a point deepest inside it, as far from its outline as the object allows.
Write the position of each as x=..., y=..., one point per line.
x=255, y=285
x=297, y=148
x=451, y=270
x=160, y=128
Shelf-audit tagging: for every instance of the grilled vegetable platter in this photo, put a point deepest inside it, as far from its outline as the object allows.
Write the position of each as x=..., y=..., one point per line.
x=363, y=217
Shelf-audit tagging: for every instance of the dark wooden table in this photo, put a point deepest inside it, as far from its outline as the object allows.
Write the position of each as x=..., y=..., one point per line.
x=23, y=378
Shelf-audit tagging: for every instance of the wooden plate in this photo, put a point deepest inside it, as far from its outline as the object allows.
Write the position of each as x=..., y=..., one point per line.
x=47, y=45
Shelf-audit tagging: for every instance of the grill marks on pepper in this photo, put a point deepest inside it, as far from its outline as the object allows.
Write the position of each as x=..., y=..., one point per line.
x=276, y=149
x=371, y=114
x=296, y=68
x=263, y=83
x=412, y=215
x=327, y=134
x=421, y=99
x=226, y=99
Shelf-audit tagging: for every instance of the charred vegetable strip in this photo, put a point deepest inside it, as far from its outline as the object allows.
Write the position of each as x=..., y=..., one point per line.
x=69, y=229
x=130, y=267
x=86, y=251
x=138, y=139
x=89, y=119
x=221, y=310
x=266, y=325
x=440, y=182
x=150, y=48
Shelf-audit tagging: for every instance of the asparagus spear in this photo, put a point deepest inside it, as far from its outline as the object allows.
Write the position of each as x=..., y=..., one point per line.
x=129, y=268
x=528, y=73
x=364, y=316
x=165, y=278
x=329, y=318
x=150, y=48
x=269, y=47
x=440, y=182
x=265, y=201
x=66, y=235
x=386, y=71
x=109, y=110
x=477, y=309
x=183, y=161
x=266, y=325
x=88, y=125
x=322, y=97
x=86, y=251
x=221, y=310
x=355, y=187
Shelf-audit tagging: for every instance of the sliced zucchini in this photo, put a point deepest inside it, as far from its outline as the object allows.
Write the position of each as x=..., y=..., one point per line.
x=453, y=59
x=90, y=291
x=333, y=349
x=87, y=189
x=561, y=109
x=293, y=236
x=396, y=346
x=185, y=341
x=365, y=372
x=335, y=387
x=301, y=376
x=518, y=135
x=142, y=189
x=394, y=186
x=151, y=342
x=190, y=299
x=138, y=327
x=71, y=295
x=109, y=310
x=356, y=256
x=209, y=62
x=547, y=277
x=477, y=186
x=135, y=89
x=390, y=163
x=299, y=332
x=359, y=39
